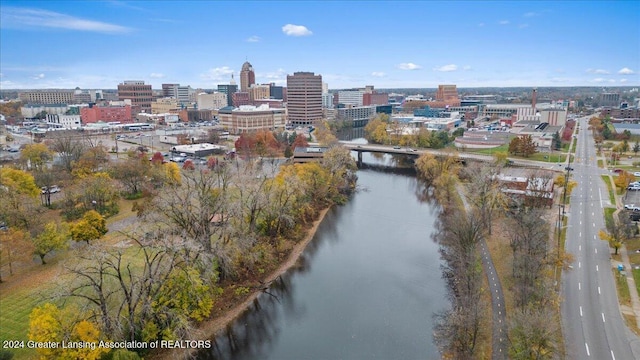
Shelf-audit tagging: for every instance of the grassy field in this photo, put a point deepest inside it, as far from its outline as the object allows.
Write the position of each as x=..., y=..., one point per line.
x=623, y=288
x=17, y=300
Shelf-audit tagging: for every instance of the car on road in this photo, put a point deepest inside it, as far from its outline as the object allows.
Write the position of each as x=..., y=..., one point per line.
x=397, y=147
x=568, y=168
x=632, y=207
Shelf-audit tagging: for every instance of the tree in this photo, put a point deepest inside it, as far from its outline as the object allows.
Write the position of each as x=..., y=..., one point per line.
x=36, y=156
x=47, y=323
x=184, y=292
x=14, y=247
x=533, y=336
x=19, y=181
x=92, y=226
x=68, y=147
x=484, y=192
x=324, y=135
x=287, y=152
x=500, y=157
x=133, y=172
x=515, y=145
x=299, y=141
x=617, y=231
x=557, y=142
x=529, y=241
x=54, y=237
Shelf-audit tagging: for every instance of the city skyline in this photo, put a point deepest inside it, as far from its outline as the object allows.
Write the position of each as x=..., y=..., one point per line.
x=351, y=44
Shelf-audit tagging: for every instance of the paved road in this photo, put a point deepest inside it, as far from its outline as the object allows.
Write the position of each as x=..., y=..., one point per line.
x=593, y=326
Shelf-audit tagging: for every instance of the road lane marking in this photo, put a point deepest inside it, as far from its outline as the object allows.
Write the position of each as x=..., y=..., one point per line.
x=594, y=224
x=596, y=250
x=599, y=290
x=597, y=268
x=587, y=346
x=580, y=311
x=579, y=286
x=613, y=356
x=603, y=317
x=579, y=247
x=579, y=264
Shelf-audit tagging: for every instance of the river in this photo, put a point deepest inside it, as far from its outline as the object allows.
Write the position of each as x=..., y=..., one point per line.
x=366, y=287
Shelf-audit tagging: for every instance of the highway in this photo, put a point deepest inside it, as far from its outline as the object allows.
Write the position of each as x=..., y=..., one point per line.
x=593, y=326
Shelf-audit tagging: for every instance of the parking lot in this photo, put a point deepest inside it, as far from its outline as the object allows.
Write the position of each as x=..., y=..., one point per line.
x=632, y=197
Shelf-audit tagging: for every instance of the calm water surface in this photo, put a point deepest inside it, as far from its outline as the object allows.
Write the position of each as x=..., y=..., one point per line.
x=366, y=288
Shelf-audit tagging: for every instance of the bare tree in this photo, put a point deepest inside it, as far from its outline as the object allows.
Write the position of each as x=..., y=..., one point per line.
x=484, y=191
x=529, y=243
x=533, y=336
x=457, y=330
x=69, y=148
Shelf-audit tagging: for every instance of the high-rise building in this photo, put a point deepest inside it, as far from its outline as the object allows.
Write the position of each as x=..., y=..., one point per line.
x=141, y=95
x=304, y=98
x=350, y=97
x=375, y=98
x=276, y=92
x=240, y=98
x=46, y=97
x=170, y=90
x=609, y=99
x=247, y=77
x=217, y=100
x=229, y=90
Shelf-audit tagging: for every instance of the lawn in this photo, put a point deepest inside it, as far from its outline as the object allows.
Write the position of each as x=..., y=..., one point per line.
x=607, y=181
x=491, y=151
x=623, y=288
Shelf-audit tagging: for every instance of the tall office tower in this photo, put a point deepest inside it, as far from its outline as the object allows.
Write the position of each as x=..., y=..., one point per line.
x=229, y=89
x=247, y=77
x=304, y=98
x=447, y=93
x=140, y=95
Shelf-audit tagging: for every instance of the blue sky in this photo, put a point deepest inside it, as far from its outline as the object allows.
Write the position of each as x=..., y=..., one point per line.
x=97, y=44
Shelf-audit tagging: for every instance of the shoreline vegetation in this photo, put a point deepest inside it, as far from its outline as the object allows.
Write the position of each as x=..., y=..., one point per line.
x=213, y=327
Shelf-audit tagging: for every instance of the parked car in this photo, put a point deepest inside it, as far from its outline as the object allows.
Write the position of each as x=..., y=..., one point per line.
x=617, y=171
x=635, y=183
x=397, y=147
x=51, y=189
x=632, y=207
x=634, y=188
x=634, y=216
x=637, y=173
x=568, y=168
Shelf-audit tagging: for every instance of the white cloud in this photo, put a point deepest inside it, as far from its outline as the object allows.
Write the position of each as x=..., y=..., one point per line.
x=378, y=74
x=39, y=76
x=279, y=77
x=530, y=14
x=598, y=80
x=156, y=75
x=598, y=71
x=611, y=81
x=621, y=80
x=522, y=26
x=504, y=22
x=626, y=71
x=466, y=68
x=25, y=17
x=447, y=68
x=253, y=38
x=409, y=66
x=217, y=74
x=296, y=30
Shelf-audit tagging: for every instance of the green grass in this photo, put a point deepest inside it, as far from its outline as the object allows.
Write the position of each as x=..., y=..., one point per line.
x=491, y=151
x=607, y=181
x=14, y=317
x=608, y=213
x=636, y=278
x=623, y=288
x=551, y=157
x=600, y=165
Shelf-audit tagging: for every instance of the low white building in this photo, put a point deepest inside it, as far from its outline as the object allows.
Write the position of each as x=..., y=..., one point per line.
x=248, y=118
x=58, y=121
x=31, y=111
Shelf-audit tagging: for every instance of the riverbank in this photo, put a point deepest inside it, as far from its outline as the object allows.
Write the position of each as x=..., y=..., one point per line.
x=213, y=327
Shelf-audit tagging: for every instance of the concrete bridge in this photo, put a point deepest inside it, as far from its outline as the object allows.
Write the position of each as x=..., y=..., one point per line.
x=415, y=153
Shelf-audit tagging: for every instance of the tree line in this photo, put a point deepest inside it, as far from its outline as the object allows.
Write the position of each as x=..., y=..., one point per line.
x=463, y=224
x=199, y=231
